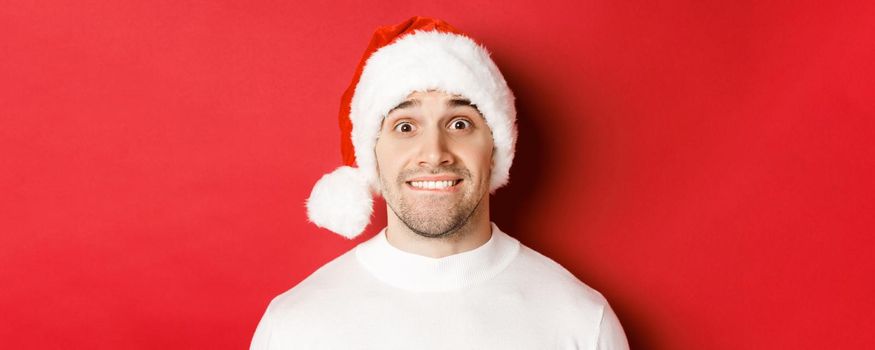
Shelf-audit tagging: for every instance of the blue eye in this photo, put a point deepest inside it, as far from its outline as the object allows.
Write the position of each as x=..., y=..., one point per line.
x=460, y=124
x=404, y=127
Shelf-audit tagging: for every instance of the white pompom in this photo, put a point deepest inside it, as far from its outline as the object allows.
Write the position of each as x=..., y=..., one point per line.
x=341, y=202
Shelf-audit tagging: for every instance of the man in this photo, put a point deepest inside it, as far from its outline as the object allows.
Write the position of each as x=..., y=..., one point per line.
x=430, y=122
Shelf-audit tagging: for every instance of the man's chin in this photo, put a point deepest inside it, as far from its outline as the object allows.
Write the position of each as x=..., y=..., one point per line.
x=434, y=232
x=432, y=226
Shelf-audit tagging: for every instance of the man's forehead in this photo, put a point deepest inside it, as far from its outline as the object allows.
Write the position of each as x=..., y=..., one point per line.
x=454, y=100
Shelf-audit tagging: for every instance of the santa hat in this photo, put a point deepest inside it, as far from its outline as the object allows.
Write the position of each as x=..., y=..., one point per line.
x=419, y=54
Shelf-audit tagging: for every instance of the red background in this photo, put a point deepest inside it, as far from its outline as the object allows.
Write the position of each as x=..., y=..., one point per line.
x=707, y=165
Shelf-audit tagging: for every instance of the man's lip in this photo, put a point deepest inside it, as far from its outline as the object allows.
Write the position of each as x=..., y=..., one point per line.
x=435, y=178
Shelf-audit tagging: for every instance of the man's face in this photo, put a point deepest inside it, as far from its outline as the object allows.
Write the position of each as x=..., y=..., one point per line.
x=434, y=158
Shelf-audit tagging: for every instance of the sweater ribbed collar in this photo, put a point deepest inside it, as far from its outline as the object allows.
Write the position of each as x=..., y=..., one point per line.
x=420, y=273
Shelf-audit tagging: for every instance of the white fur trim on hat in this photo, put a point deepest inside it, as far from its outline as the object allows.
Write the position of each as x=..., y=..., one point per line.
x=426, y=60
x=341, y=202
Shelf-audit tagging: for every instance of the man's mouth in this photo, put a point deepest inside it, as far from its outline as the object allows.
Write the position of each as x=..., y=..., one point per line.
x=430, y=185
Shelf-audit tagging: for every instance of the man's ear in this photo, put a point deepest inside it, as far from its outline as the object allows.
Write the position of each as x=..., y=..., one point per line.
x=377, y=188
x=493, y=154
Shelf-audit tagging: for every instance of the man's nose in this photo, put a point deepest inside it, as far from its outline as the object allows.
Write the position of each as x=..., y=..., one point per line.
x=434, y=150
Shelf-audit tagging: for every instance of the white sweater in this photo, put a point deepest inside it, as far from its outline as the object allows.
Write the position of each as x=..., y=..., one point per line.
x=501, y=295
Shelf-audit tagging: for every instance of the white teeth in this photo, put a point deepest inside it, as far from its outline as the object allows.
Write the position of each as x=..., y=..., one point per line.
x=432, y=185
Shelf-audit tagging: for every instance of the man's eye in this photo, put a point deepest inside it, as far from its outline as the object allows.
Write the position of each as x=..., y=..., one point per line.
x=404, y=127
x=460, y=124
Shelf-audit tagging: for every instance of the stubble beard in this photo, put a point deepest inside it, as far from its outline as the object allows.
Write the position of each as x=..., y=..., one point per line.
x=434, y=217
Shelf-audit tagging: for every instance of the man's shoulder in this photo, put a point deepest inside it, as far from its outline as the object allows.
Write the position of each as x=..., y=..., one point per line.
x=545, y=275
x=310, y=306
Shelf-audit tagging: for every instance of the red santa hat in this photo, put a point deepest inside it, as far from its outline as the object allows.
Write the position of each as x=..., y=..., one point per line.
x=419, y=54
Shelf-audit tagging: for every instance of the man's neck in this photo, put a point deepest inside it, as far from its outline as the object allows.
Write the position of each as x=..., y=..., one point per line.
x=472, y=234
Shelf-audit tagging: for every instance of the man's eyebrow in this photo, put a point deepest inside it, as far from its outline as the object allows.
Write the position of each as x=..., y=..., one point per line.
x=461, y=102
x=406, y=104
